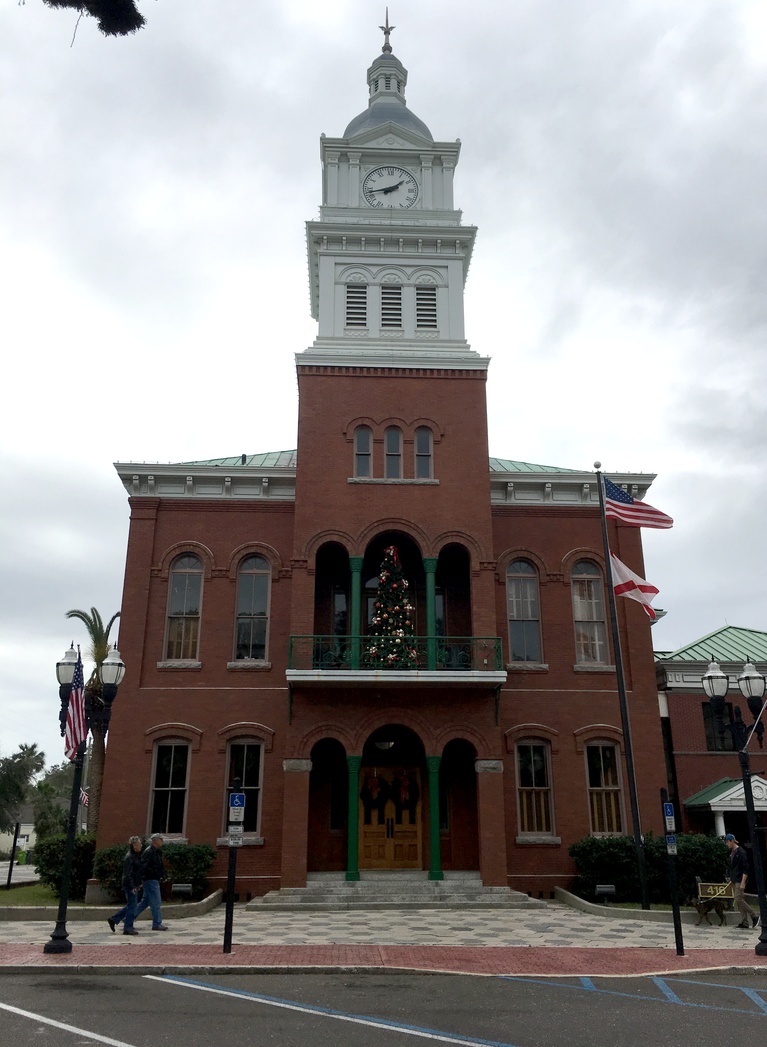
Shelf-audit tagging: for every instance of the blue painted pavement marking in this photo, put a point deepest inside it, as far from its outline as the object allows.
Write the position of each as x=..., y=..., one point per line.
x=328, y=1012
x=669, y=996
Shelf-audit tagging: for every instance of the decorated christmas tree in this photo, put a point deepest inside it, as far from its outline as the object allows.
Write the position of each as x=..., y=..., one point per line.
x=390, y=642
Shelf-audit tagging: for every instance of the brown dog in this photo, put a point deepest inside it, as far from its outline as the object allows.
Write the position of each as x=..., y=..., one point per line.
x=707, y=905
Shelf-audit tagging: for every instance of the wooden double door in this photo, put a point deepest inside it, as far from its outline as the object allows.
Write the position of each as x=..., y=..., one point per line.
x=390, y=818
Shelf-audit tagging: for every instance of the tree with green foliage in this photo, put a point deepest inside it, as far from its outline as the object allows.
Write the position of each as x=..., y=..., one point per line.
x=114, y=17
x=50, y=798
x=98, y=634
x=16, y=772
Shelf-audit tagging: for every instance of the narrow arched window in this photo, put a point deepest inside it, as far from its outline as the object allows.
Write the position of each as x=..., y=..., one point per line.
x=524, y=612
x=423, y=453
x=589, y=613
x=244, y=775
x=534, y=788
x=184, y=603
x=170, y=783
x=253, y=579
x=363, y=451
x=604, y=778
x=393, y=453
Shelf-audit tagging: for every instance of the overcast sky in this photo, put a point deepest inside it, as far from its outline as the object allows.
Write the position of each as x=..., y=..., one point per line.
x=153, y=194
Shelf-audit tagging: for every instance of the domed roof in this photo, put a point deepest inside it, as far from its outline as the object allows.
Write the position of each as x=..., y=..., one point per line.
x=383, y=111
x=387, y=78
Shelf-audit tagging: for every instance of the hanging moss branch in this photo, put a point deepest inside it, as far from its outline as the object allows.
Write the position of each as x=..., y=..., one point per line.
x=114, y=17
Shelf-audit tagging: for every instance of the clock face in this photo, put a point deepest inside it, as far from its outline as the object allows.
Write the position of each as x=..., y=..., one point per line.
x=390, y=187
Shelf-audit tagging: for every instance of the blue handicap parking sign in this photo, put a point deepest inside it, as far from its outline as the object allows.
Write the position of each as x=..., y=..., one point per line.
x=237, y=800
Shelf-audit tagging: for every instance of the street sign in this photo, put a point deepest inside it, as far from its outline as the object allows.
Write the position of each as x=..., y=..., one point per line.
x=236, y=814
x=237, y=799
x=668, y=814
x=235, y=830
x=235, y=841
x=670, y=843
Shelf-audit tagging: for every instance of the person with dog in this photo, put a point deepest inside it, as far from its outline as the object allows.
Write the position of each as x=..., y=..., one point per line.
x=738, y=876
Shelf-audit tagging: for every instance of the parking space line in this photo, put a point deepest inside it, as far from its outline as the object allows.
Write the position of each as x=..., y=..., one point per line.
x=327, y=1012
x=67, y=1028
x=667, y=991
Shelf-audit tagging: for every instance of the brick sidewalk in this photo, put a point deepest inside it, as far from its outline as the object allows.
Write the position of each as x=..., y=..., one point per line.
x=483, y=960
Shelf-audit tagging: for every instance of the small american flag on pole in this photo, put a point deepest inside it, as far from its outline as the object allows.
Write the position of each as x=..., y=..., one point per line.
x=76, y=731
x=84, y=797
x=621, y=506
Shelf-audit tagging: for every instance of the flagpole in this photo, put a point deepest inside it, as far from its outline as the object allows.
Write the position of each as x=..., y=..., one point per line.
x=623, y=701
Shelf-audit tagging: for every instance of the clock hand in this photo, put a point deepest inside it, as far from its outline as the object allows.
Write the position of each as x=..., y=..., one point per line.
x=391, y=188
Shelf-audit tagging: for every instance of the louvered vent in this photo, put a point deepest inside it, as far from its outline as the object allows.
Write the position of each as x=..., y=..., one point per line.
x=391, y=305
x=356, y=305
x=426, y=307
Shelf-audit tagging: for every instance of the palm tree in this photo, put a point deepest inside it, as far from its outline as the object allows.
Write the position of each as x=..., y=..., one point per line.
x=98, y=651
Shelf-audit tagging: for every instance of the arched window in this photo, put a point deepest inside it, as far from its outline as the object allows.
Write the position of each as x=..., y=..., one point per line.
x=534, y=788
x=244, y=773
x=363, y=451
x=423, y=453
x=393, y=453
x=604, y=778
x=171, y=775
x=253, y=579
x=589, y=613
x=184, y=602
x=524, y=612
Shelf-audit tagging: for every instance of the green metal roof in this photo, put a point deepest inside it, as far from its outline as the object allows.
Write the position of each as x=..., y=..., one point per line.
x=506, y=465
x=287, y=460
x=268, y=460
x=728, y=644
x=711, y=792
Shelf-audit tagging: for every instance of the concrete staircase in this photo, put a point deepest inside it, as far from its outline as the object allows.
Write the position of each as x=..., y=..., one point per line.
x=392, y=889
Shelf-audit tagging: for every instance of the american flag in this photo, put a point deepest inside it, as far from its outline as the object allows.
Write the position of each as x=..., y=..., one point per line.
x=621, y=506
x=84, y=797
x=76, y=731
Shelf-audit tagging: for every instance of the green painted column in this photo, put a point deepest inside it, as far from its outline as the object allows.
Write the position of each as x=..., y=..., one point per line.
x=355, y=610
x=353, y=764
x=435, y=850
x=430, y=566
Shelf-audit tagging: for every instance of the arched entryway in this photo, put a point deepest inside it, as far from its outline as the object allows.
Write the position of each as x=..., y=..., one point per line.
x=328, y=807
x=393, y=800
x=458, y=823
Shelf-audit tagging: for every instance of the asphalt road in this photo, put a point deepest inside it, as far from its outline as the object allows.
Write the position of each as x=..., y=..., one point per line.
x=378, y=1010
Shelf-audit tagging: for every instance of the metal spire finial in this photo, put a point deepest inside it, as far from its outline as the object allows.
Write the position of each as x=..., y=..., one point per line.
x=386, y=30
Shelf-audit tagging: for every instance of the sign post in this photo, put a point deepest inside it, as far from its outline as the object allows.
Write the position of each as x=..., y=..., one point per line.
x=669, y=821
x=235, y=831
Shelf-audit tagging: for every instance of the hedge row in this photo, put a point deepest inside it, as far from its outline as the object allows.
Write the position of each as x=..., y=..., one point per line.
x=184, y=863
x=613, y=859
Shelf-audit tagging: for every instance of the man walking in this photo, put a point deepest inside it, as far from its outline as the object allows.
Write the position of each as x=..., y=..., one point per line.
x=131, y=886
x=739, y=877
x=153, y=872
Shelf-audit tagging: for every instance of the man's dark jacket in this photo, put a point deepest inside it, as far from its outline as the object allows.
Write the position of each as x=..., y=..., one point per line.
x=738, y=864
x=132, y=876
x=151, y=861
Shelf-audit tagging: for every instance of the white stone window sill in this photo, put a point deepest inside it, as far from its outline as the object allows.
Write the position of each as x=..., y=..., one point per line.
x=539, y=840
x=381, y=480
x=588, y=667
x=254, y=664
x=180, y=664
x=527, y=667
x=249, y=840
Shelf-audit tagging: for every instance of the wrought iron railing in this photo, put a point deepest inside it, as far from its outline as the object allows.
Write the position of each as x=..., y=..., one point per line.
x=433, y=653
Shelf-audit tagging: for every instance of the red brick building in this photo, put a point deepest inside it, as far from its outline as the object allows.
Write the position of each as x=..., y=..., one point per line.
x=249, y=610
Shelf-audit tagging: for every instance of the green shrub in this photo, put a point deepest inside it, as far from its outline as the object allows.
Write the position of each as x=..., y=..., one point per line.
x=612, y=859
x=49, y=862
x=184, y=863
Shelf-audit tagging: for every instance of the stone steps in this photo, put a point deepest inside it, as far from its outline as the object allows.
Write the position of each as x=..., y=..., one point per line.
x=390, y=889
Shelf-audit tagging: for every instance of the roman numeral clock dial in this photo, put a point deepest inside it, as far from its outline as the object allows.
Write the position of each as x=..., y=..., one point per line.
x=390, y=187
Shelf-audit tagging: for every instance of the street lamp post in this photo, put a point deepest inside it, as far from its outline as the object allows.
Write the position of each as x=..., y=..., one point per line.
x=98, y=711
x=752, y=686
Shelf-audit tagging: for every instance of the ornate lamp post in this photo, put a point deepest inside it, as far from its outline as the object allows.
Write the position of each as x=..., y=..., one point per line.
x=752, y=686
x=97, y=710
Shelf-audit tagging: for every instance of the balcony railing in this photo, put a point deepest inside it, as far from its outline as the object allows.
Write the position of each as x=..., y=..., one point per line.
x=432, y=653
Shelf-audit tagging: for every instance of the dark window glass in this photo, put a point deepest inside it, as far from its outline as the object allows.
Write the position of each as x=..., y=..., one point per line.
x=393, y=448
x=524, y=612
x=245, y=764
x=534, y=791
x=423, y=453
x=253, y=580
x=184, y=603
x=604, y=788
x=717, y=742
x=363, y=452
x=589, y=613
x=169, y=795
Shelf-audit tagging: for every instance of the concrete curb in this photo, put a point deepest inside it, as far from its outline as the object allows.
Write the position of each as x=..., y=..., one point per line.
x=180, y=911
